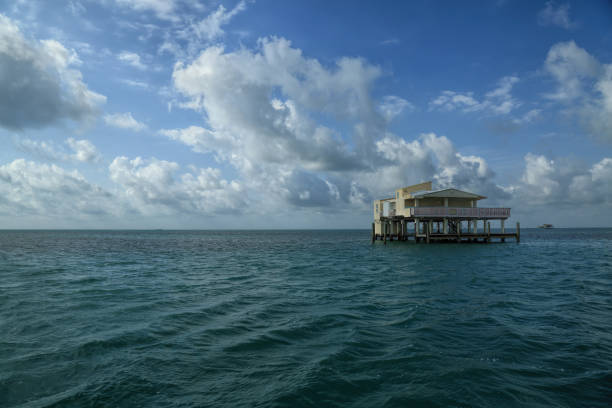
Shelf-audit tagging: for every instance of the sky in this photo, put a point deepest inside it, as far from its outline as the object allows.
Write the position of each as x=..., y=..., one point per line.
x=282, y=114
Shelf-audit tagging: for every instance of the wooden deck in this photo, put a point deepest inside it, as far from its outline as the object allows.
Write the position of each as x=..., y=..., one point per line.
x=424, y=231
x=457, y=238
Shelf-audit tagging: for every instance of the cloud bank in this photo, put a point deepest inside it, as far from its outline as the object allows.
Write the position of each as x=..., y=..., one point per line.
x=40, y=84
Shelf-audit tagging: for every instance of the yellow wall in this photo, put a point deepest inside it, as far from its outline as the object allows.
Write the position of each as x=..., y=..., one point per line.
x=404, y=192
x=378, y=209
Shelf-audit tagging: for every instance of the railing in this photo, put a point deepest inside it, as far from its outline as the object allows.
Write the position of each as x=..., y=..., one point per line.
x=456, y=212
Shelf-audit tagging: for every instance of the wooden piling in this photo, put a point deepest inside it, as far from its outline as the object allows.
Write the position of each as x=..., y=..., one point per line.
x=385, y=233
x=396, y=229
x=459, y=231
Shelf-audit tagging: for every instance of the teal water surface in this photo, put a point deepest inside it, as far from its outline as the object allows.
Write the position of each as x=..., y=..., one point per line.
x=303, y=319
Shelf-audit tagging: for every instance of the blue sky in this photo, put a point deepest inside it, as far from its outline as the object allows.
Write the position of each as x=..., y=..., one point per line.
x=275, y=114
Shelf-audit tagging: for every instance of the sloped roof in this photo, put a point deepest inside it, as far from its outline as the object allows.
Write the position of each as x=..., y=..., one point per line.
x=448, y=193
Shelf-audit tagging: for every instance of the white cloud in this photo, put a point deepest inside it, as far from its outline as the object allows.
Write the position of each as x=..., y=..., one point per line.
x=234, y=90
x=75, y=8
x=564, y=183
x=84, y=150
x=539, y=175
x=135, y=84
x=40, y=85
x=157, y=187
x=42, y=149
x=164, y=9
x=189, y=37
x=124, y=121
x=530, y=116
x=210, y=27
x=391, y=106
x=153, y=187
x=78, y=150
x=390, y=41
x=430, y=157
x=451, y=100
x=260, y=108
x=201, y=140
x=597, y=111
x=557, y=15
x=147, y=187
x=570, y=65
x=584, y=85
x=41, y=189
x=499, y=101
x=131, y=59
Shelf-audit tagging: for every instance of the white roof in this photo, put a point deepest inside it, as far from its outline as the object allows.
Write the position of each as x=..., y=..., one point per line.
x=447, y=193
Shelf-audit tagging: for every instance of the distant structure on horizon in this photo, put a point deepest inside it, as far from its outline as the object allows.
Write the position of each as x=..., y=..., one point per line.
x=437, y=215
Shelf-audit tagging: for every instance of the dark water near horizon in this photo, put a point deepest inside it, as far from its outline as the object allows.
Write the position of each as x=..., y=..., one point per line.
x=303, y=319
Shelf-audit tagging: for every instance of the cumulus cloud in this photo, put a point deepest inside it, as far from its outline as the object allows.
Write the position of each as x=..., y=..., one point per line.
x=41, y=149
x=264, y=110
x=264, y=107
x=555, y=15
x=596, y=113
x=202, y=140
x=153, y=187
x=563, y=182
x=148, y=187
x=77, y=150
x=570, y=65
x=124, y=121
x=234, y=90
x=430, y=157
x=584, y=85
x=40, y=85
x=41, y=189
x=499, y=101
x=131, y=59
x=84, y=150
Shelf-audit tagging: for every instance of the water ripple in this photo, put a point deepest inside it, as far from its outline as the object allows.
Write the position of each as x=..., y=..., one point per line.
x=303, y=318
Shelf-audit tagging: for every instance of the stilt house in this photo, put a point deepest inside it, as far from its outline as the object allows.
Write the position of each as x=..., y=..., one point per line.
x=447, y=214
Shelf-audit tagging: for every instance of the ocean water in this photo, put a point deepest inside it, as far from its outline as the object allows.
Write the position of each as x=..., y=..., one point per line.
x=303, y=319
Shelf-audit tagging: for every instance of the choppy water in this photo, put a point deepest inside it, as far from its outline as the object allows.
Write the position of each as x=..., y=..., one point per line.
x=303, y=318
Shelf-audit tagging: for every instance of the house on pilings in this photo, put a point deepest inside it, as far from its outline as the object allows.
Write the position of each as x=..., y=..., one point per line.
x=418, y=212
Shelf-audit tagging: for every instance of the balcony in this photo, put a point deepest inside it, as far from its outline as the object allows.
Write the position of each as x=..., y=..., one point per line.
x=457, y=212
